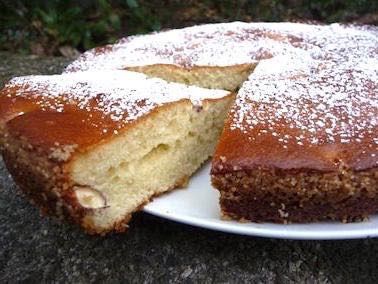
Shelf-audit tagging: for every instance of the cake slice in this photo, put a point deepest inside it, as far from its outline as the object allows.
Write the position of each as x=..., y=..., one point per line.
x=300, y=144
x=94, y=147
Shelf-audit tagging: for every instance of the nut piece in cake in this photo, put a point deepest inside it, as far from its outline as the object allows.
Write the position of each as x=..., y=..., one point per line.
x=89, y=198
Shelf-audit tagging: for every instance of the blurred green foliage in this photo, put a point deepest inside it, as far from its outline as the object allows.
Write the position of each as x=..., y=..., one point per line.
x=47, y=25
x=44, y=27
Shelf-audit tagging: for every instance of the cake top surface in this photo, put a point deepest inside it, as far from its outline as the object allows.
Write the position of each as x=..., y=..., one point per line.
x=124, y=96
x=314, y=115
x=233, y=43
x=339, y=103
x=84, y=108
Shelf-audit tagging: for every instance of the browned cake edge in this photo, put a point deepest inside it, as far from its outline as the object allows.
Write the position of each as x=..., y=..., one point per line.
x=283, y=196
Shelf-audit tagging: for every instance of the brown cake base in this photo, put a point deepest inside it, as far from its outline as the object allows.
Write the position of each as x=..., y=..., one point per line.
x=279, y=196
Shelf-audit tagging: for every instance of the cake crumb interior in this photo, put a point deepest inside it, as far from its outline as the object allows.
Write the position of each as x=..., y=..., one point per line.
x=140, y=164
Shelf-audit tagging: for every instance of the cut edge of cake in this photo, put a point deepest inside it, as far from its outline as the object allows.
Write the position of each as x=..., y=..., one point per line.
x=222, y=77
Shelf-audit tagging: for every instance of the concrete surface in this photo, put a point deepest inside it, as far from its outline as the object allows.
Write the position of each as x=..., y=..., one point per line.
x=35, y=249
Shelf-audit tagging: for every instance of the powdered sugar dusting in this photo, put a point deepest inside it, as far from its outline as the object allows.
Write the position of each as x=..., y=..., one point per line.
x=313, y=78
x=332, y=104
x=122, y=95
x=320, y=81
x=216, y=45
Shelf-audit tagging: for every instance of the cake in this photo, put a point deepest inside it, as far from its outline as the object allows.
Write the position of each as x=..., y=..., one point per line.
x=299, y=143
x=297, y=55
x=94, y=147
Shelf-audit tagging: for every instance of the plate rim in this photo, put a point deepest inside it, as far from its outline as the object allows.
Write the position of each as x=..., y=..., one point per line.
x=277, y=231
x=263, y=231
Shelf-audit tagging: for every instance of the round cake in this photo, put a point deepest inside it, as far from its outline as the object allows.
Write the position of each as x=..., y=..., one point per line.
x=299, y=143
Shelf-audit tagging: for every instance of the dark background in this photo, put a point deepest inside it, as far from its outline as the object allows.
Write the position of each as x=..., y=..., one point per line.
x=61, y=27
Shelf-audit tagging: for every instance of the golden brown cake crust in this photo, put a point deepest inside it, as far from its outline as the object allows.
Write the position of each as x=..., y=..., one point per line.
x=235, y=151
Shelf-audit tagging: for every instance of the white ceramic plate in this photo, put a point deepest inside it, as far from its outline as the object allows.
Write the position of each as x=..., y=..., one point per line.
x=198, y=205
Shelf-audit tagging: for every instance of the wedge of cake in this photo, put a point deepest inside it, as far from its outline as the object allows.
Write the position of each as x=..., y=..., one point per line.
x=94, y=147
x=301, y=144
